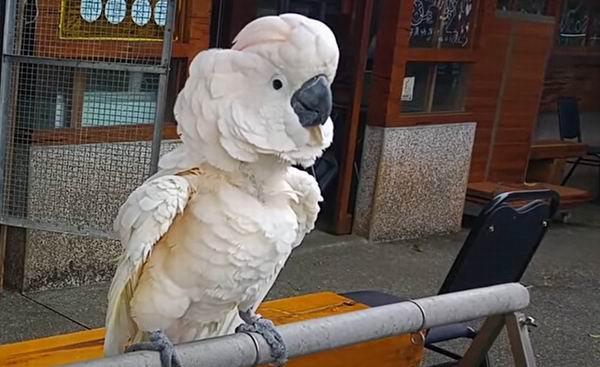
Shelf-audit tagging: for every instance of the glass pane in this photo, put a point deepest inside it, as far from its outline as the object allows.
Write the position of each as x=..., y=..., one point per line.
x=440, y=23
x=433, y=87
x=456, y=23
x=124, y=98
x=448, y=91
x=312, y=9
x=574, y=23
x=595, y=31
x=266, y=7
x=414, y=97
x=423, y=24
x=503, y=5
x=530, y=6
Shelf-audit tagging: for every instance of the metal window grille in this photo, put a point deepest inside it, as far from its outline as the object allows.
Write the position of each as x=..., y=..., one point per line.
x=83, y=91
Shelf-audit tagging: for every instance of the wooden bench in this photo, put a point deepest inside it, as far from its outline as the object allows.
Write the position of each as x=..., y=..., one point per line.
x=482, y=192
x=399, y=351
x=547, y=159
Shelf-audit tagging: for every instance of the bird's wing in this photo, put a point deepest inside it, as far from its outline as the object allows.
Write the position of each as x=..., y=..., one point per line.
x=144, y=218
x=306, y=207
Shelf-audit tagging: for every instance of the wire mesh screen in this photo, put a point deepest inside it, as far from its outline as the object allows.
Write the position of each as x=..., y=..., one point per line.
x=109, y=30
x=79, y=110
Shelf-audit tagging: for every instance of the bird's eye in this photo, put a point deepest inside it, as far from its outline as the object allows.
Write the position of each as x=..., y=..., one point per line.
x=277, y=84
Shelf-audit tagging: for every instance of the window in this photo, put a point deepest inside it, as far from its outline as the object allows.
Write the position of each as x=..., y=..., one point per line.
x=580, y=23
x=433, y=87
x=594, y=38
x=441, y=23
x=317, y=9
x=115, y=19
x=107, y=98
x=524, y=6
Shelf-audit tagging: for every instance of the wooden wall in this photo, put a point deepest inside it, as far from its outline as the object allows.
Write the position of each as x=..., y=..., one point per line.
x=507, y=61
x=572, y=75
x=529, y=43
x=484, y=86
x=572, y=71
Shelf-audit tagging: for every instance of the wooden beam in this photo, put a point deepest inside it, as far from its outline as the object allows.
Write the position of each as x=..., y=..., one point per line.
x=77, y=99
x=343, y=219
x=383, y=63
x=101, y=134
x=3, y=230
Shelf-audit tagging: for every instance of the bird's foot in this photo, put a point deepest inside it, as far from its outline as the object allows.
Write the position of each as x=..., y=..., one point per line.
x=159, y=343
x=265, y=328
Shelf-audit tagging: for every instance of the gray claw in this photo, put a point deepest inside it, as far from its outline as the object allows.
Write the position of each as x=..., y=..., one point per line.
x=267, y=330
x=159, y=343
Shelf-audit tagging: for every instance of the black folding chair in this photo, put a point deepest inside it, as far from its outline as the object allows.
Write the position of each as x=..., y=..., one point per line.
x=569, y=126
x=502, y=241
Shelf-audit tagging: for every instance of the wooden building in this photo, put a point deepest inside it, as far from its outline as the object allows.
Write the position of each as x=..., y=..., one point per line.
x=435, y=102
x=499, y=64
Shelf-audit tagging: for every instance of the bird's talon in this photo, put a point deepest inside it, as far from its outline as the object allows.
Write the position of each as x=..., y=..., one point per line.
x=267, y=330
x=159, y=343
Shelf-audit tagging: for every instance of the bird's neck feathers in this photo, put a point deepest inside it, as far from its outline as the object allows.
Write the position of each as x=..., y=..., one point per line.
x=264, y=171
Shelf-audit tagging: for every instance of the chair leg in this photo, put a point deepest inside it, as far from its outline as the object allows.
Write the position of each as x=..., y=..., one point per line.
x=564, y=181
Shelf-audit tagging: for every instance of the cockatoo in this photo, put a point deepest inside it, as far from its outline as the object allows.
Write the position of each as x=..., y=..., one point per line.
x=205, y=238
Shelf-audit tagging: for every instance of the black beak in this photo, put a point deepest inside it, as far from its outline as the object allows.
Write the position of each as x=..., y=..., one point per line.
x=312, y=102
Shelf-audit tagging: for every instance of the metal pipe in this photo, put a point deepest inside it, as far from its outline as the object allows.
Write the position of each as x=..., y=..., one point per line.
x=78, y=230
x=163, y=84
x=5, y=95
x=87, y=64
x=316, y=335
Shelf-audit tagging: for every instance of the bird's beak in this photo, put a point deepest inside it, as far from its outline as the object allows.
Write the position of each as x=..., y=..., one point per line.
x=312, y=102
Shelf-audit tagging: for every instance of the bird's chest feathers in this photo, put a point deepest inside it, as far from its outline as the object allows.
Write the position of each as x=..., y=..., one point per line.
x=245, y=231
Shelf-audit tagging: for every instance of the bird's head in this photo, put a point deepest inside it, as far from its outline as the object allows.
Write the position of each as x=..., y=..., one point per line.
x=270, y=95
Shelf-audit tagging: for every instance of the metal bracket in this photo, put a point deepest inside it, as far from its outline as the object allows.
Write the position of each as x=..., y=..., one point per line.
x=517, y=326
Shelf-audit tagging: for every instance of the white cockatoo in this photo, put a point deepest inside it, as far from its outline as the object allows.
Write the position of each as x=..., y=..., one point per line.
x=205, y=238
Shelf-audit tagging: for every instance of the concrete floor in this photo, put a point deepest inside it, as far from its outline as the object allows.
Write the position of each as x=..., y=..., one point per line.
x=565, y=275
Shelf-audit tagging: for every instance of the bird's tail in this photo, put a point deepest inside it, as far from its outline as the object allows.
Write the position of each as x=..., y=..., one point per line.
x=120, y=327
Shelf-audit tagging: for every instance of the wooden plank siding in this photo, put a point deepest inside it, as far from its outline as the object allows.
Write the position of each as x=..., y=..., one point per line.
x=529, y=46
x=506, y=58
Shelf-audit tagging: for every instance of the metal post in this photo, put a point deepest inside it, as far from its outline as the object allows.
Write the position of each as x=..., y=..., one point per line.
x=518, y=336
x=163, y=82
x=316, y=335
x=5, y=95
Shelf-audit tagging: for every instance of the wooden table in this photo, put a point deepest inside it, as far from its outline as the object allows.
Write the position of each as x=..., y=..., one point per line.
x=483, y=192
x=547, y=159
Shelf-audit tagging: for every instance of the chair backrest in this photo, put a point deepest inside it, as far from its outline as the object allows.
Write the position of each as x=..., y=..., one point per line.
x=569, y=125
x=502, y=241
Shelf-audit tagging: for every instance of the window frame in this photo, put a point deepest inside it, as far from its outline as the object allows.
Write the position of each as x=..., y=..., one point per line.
x=431, y=87
x=464, y=55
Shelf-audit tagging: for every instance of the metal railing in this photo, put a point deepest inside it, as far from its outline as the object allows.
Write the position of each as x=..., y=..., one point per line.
x=84, y=84
x=499, y=304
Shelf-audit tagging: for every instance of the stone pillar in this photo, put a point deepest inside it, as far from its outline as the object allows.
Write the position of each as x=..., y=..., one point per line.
x=413, y=181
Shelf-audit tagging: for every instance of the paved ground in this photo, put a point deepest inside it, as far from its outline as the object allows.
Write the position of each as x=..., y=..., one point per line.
x=565, y=275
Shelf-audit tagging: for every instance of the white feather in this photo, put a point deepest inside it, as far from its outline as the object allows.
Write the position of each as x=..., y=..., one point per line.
x=208, y=234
